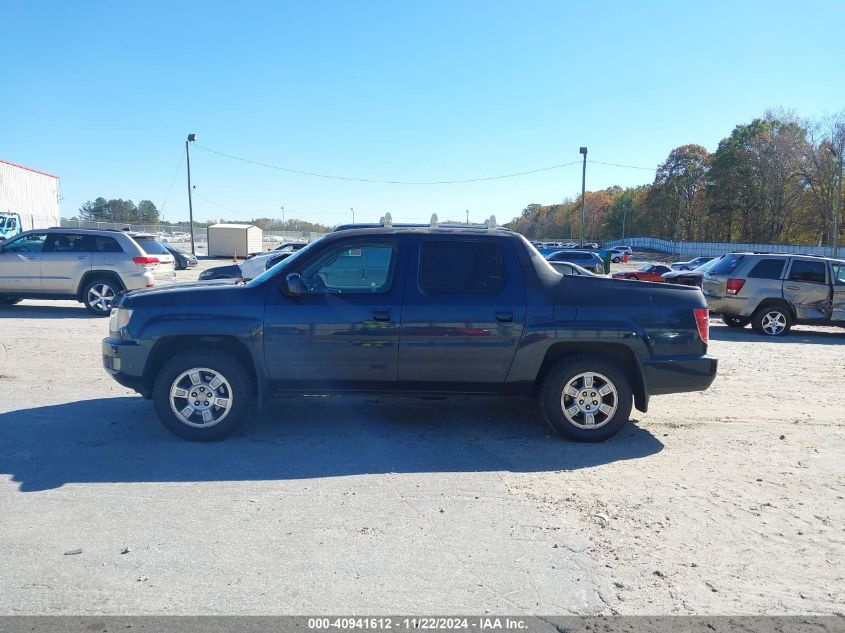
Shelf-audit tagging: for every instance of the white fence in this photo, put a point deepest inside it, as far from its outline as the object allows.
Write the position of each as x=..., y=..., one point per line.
x=714, y=249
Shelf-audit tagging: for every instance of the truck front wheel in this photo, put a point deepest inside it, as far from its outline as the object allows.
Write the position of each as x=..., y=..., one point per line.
x=203, y=396
x=586, y=398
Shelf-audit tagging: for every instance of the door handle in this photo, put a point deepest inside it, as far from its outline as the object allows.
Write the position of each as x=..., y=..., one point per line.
x=381, y=315
x=504, y=317
x=793, y=288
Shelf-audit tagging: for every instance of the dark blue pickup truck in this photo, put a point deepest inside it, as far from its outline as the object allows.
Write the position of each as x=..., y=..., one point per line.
x=410, y=310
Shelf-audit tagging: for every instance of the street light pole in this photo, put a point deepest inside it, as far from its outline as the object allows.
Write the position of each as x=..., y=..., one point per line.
x=353, y=214
x=467, y=217
x=624, y=215
x=191, y=138
x=283, y=216
x=583, y=151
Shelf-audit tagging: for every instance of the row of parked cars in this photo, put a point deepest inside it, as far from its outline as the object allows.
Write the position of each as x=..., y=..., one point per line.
x=770, y=291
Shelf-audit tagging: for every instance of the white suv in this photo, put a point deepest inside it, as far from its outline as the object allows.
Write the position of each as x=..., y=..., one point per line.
x=88, y=265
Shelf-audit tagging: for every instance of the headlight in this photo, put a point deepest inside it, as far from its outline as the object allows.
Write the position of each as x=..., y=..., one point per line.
x=119, y=319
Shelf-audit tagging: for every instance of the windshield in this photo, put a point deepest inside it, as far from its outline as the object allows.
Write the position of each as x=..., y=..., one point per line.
x=271, y=272
x=709, y=264
x=2, y=222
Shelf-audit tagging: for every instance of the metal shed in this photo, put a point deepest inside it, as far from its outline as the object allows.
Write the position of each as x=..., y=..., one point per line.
x=230, y=240
x=31, y=193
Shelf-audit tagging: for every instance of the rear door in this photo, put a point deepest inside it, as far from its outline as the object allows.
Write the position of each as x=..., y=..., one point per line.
x=66, y=258
x=20, y=263
x=463, y=315
x=807, y=288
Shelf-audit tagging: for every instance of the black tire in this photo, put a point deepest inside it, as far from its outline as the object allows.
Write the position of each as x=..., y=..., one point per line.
x=764, y=319
x=9, y=301
x=239, y=388
x=616, y=260
x=735, y=321
x=552, y=401
x=104, y=286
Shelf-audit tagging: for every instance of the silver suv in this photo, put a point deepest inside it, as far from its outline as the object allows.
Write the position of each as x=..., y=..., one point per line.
x=773, y=292
x=88, y=265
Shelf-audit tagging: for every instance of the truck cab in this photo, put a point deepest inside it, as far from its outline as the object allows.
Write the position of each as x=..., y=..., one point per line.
x=10, y=225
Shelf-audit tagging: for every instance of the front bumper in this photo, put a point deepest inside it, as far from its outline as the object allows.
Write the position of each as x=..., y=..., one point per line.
x=125, y=361
x=679, y=374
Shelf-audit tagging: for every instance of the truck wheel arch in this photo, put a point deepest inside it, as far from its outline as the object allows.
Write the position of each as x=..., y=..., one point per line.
x=167, y=347
x=614, y=352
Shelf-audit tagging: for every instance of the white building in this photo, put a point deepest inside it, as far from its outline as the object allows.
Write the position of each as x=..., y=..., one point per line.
x=32, y=194
x=234, y=240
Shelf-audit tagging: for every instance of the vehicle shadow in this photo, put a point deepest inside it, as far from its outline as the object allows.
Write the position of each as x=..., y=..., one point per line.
x=36, y=311
x=799, y=334
x=121, y=440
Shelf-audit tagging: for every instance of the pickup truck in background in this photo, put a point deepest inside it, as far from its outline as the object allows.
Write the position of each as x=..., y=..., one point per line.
x=774, y=291
x=410, y=310
x=10, y=225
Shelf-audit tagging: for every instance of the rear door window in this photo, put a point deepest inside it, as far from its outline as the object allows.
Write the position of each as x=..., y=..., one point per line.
x=808, y=271
x=767, y=269
x=839, y=274
x=462, y=268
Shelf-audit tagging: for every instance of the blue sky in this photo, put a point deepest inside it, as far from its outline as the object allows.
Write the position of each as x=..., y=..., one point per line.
x=103, y=94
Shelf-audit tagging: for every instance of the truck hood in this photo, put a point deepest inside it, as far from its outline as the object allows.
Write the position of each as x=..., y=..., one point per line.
x=179, y=293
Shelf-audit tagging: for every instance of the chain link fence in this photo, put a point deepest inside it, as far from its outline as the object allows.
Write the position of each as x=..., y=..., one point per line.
x=178, y=236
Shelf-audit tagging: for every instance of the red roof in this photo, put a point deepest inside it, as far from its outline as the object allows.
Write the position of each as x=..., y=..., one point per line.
x=37, y=171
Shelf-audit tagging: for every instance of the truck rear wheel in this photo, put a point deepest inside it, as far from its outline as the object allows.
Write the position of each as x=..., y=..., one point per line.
x=586, y=398
x=203, y=396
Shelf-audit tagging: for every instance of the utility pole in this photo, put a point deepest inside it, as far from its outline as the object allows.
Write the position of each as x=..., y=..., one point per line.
x=283, y=216
x=353, y=214
x=624, y=215
x=191, y=138
x=583, y=151
x=467, y=217
x=838, y=207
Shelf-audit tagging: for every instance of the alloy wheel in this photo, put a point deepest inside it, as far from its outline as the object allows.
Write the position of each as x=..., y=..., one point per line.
x=201, y=397
x=589, y=400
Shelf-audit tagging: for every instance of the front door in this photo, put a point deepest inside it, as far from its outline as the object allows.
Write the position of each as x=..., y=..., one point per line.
x=806, y=287
x=343, y=332
x=20, y=264
x=66, y=258
x=463, y=315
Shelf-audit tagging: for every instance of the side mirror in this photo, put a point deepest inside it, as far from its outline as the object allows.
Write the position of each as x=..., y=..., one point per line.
x=293, y=286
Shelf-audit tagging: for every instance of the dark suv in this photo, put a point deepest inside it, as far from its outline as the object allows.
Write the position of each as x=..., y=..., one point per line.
x=410, y=310
x=774, y=291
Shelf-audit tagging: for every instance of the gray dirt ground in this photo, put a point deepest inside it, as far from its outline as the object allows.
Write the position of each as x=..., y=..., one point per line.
x=724, y=502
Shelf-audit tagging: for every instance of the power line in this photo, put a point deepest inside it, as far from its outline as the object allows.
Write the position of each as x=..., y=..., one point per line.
x=383, y=182
x=172, y=182
x=598, y=162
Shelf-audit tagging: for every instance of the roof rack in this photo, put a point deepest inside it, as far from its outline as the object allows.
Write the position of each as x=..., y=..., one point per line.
x=386, y=222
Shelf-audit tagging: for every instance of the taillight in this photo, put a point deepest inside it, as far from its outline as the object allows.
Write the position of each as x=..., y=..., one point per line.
x=702, y=320
x=145, y=260
x=734, y=286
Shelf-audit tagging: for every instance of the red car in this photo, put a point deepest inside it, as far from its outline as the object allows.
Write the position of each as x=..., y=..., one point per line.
x=649, y=272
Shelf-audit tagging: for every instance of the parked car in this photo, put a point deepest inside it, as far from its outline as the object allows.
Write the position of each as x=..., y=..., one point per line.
x=691, y=264
x=617, y=255
x=89, y=265
x=287, y=247
x=622, y=249
x=689, y=277
x=183, y=261
x=247, y=269
x=773, y=291
x=566, y=268
x=589, y=260
x=411, y=310
x=647, y=272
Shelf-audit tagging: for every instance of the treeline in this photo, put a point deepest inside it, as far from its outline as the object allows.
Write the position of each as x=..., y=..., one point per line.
x=773, y=180
x=118, y=210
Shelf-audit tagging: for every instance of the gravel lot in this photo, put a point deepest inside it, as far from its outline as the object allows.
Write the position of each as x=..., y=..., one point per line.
x=723, y=502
